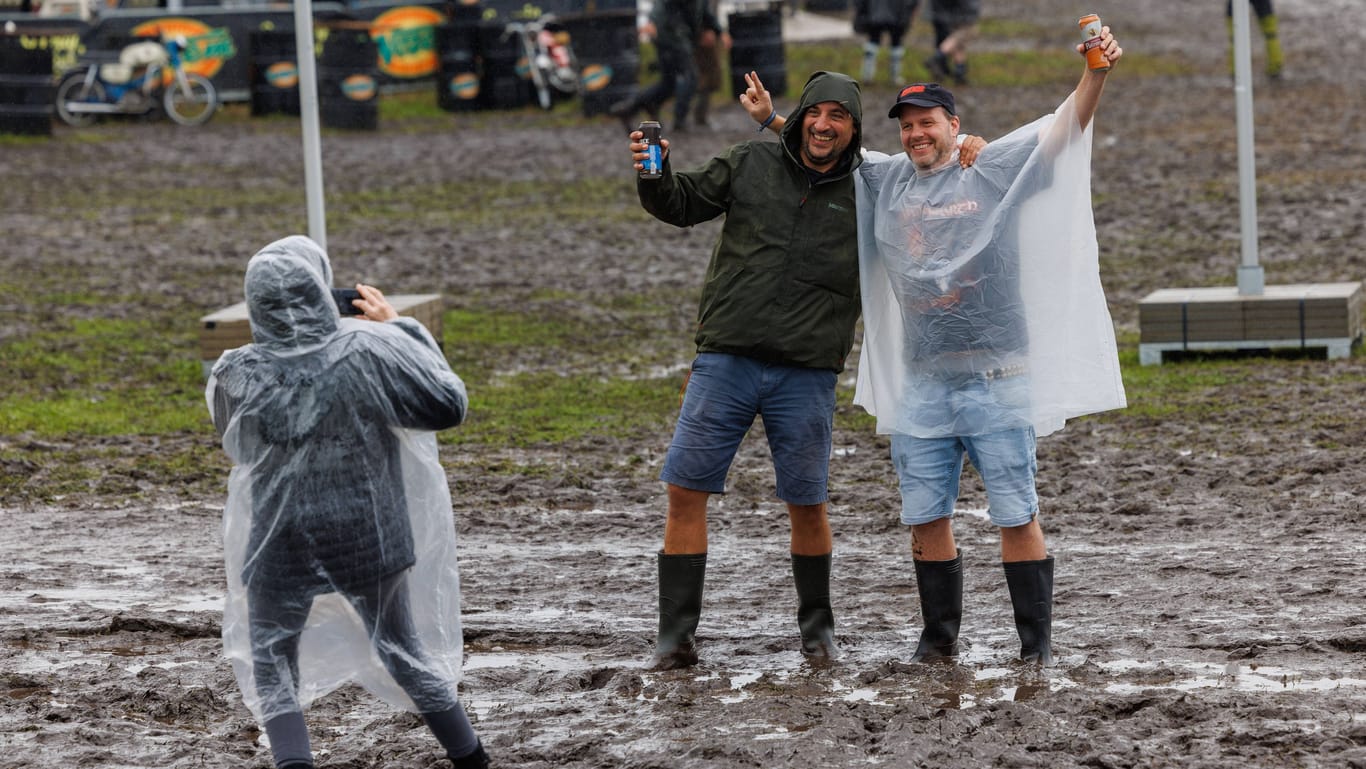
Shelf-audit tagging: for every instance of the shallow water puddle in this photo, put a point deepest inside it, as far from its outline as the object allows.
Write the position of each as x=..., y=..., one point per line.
x=1233, y=675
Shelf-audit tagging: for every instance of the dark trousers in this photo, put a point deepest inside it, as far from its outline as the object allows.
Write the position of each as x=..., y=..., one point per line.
x=277, y=620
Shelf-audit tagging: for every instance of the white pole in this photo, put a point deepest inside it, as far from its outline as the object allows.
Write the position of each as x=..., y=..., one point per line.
x=308, y=112
x=1251, y=281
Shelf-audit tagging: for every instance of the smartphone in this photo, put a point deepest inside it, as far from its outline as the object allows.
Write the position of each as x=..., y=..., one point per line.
x=344, y=297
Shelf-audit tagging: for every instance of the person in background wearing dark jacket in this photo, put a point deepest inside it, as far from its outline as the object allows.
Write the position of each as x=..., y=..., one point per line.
x=338, y=532
x=676, y=26
x=876, y=18
x=775, y=324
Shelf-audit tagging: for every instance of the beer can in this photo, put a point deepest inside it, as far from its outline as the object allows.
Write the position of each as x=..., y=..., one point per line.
x=652, y=167
x=1090, y=40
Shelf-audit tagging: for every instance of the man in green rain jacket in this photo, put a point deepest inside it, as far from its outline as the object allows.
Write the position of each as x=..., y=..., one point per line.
x=775, y=324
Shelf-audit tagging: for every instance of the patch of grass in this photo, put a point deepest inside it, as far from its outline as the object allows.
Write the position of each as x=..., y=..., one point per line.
x=558, y=370
x=545, y=407
x=101, y=377
x=491, y=203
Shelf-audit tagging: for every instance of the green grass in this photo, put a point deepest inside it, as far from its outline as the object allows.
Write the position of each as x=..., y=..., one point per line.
x=549, y=408
x=101, y=377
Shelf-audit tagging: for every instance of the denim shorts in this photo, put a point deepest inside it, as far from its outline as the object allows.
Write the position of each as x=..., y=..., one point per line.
x=928, y=470
x=724, y=394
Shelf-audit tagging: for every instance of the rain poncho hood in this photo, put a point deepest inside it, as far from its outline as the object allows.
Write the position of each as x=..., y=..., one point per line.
x=988, y=275
x=336, y=484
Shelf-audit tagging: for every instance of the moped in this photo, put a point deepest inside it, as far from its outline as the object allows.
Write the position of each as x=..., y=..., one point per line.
x=550, y=61
x=148, y=75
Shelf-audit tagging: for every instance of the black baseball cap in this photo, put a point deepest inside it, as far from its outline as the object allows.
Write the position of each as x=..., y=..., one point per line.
x=923, y=95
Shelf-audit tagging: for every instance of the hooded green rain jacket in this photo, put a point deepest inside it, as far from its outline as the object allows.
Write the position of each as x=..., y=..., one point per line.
x=782, y=285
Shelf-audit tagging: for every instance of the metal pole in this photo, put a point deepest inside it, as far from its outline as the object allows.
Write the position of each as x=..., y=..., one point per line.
x=1251, y=281
x=308, y=113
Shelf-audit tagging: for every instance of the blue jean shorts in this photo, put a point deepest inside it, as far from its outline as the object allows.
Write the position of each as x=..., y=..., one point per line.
x=723, y=396
x=928, y=470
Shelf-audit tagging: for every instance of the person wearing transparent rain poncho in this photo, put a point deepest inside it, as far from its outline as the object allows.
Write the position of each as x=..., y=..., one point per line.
x=338, y=531
x=985, y=326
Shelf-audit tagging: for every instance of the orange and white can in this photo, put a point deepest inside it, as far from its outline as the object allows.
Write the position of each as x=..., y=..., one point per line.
x=1090, y=39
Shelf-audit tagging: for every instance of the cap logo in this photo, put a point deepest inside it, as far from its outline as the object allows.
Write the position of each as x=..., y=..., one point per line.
x=910, y=89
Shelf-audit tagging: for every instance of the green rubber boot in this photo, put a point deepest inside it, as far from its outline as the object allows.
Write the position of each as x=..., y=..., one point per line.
x=1275, y=58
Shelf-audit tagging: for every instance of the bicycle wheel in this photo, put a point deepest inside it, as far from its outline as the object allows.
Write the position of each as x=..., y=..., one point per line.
x=74, y=89
x=191, y=101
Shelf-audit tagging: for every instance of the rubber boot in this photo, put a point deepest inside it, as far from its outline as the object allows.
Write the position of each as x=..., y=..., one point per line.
x=960, y=73
x=479, y=759
x=680, y=609
x=1031, y=595
x=894, y=65
x=701, y=111
x=1232, y=63
x=1275, y=58
x=815, y=618
x=940, y=584
x=938, y=65
x=869, y=62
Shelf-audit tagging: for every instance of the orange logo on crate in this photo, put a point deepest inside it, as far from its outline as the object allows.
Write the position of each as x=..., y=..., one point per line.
x=206, y=48
x=406, y=39
x=359, y=88
x=595, y=77
x=282, y=74
x=465, y=86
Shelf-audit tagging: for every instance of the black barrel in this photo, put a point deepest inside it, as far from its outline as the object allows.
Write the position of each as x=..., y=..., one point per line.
x=607, y=47
x=27, y=89
x=274, y=73
x=348, y=81
x=457, y=68
x=757, y=45
x=504, y=80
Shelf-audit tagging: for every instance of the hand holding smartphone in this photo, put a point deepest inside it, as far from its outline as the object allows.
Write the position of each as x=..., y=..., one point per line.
x=344, y=298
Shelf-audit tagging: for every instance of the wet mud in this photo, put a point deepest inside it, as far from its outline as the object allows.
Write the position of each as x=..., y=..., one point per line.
x=1209, y=607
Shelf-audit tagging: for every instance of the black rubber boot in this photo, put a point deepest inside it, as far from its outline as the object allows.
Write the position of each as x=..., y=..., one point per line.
x=815, y=618
x=680, y=609
x=476, y=760
x=1031, y=594
x=940, y=584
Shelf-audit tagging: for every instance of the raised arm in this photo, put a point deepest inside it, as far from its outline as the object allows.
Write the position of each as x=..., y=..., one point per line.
x=1093, y=81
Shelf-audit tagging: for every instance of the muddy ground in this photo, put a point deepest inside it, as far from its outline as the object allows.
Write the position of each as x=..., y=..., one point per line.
x=1209, y=608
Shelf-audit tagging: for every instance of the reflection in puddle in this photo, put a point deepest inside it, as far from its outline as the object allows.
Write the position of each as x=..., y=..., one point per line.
x=1232, y=675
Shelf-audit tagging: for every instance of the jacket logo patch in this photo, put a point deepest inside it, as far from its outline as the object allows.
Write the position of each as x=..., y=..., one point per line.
x=838, y=207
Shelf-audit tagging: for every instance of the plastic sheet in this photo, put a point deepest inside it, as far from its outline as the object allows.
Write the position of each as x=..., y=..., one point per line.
x=338, y=516
x=982, y=303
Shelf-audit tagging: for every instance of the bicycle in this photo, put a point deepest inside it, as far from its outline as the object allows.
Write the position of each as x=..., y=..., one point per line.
x=551, y=63
x=148, y=75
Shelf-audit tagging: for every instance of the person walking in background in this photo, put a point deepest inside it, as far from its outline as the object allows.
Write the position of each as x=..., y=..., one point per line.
x=675, y=26
x=707, y=55
x=338, y=532
x=955, y=25
x=775, y=324
x=1266, y=20
x=878, y=19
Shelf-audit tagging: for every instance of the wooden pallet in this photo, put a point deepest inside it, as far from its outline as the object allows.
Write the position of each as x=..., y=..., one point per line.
x=229, y=328
x=1311, y=315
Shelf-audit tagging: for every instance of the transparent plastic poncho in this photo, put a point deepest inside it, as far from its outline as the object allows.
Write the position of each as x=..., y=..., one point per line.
x=982, y=302
x=337, y=502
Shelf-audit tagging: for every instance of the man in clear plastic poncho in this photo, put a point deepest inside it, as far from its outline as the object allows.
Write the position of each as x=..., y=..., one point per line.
x=985, y=326
x=338, y=532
